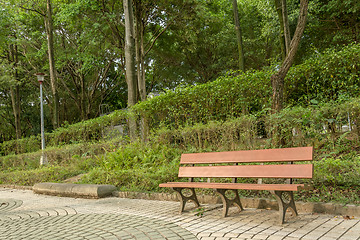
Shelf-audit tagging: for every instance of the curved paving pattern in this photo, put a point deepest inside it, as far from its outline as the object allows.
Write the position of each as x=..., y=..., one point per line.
x=65, y=223
x=9, y=204
x=50, y=217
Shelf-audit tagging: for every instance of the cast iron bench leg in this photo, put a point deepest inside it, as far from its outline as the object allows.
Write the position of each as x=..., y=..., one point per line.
x=184, y=199
x=227, y=203
x=284, y=203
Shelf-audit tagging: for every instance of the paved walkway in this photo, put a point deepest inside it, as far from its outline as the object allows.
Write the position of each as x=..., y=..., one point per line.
x=25, y=215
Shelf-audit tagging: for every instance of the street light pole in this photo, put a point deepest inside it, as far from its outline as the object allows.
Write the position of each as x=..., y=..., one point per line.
x=43, y=158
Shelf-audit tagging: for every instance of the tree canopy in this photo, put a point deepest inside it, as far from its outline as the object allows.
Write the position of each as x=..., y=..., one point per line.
x=177, y=43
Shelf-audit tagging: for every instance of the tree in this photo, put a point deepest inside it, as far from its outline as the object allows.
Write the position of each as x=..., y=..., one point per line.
x=47, y=15
x=10, y=65
x=51, y=52
x=279, y=10
x=130, y=62
x=286, y=26
x=239, y=36
x=15, y=90
x=277, y=79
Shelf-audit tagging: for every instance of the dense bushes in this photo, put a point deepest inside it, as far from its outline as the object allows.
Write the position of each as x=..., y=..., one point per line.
x=329, y=76
x=315, y=124
x=88, y=131
x=63, y=155
x=237, y=133
x=325, y=77
x=227, y=97
x=136, y=166
x=296, y=126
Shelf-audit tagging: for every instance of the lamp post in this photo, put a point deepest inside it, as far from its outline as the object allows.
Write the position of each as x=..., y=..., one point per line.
x=43, y=158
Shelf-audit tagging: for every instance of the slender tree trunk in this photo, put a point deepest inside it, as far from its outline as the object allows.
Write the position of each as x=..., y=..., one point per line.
x=15, y=102
x=15, y=91
x=277, y=79
x=278, y=7
x=139, y=46
x=287, y=35
x=239, y=36
x=53, y=80
x=83, y=97
x=130, y=63
x=140, y=63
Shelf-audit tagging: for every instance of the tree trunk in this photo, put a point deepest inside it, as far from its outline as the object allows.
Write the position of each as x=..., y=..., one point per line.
x=239, y=36
x=15, y=102
x=83, y=97
x=140, y=54
x=287, y=35
x=53, y=80
x=277, y=79
x=278, y=7
x=140, y=64
x=130, y=63
x=15, y=91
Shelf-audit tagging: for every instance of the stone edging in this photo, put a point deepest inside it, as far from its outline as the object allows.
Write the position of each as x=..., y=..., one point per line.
x=74, y=190
x=16, y=187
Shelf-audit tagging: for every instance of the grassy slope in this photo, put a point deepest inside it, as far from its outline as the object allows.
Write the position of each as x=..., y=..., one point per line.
x=141, y=167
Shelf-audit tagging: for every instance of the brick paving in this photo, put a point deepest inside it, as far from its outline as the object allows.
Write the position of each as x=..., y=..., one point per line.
x=25, y=215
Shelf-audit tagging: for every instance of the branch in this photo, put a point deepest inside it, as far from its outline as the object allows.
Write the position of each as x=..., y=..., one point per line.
x=33, y=10
x=153, y=42
x=100, y=79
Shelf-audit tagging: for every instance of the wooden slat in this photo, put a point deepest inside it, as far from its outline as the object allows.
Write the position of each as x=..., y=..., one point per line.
x=244, y=186
x=265, y=155
x=250, y=171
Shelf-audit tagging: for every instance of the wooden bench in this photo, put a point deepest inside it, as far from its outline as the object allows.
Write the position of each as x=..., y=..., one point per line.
x=269, y=163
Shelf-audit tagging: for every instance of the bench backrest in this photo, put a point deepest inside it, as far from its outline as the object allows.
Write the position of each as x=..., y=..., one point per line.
x=283, y=155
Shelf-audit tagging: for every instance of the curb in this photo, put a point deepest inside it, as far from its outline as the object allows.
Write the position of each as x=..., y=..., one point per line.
x=74, y=190
x=20, y=187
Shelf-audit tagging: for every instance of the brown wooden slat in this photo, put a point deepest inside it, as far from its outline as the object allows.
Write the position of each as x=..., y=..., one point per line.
x=250, y=171
x=265, y=155
x=244, y=186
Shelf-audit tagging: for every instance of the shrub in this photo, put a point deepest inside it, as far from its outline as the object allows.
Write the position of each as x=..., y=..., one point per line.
x=229, y=96
x=89, y=131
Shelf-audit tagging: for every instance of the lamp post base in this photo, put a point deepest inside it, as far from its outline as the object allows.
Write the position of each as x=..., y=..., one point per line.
x=43, y=159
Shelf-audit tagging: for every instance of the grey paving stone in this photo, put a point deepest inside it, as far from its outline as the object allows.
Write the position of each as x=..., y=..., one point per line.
x=115, y=218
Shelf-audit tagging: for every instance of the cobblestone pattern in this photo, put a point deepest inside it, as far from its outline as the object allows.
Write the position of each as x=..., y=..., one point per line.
x=66, y=223
x=90, y=226
x=207, y=224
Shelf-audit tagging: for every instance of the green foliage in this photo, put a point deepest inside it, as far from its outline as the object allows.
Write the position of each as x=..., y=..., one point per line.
x=44, y=174
x=327, y=76
x=24, y=145
x=316, y=124
x=233, y=134
x=332, y=22
x=142, y=166
x=228, y=96
x=136, y=166
x=83, y=155
x=92, y=130
x=342, y=171
x=333, y=75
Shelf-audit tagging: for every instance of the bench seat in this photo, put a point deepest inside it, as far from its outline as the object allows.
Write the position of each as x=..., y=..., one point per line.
x=239, y=186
